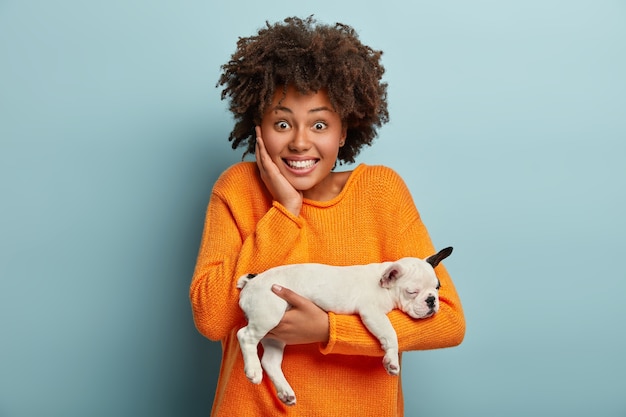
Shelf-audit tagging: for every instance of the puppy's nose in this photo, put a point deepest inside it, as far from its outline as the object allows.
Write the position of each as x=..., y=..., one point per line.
x=430, y=301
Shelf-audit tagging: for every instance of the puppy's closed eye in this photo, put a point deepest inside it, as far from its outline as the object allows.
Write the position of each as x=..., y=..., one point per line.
x=412, y=293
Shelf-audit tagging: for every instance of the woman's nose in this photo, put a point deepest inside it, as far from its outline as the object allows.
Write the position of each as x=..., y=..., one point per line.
x=300, y=141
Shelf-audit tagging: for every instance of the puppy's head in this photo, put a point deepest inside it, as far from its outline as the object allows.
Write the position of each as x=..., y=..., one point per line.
x=414, y=284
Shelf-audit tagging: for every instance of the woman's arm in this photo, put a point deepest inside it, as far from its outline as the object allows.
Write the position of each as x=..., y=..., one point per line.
x=445, y=329
x=237, y=240
x=304, y=322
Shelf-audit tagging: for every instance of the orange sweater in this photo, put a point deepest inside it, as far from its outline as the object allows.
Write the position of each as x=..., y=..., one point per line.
x=373, y=219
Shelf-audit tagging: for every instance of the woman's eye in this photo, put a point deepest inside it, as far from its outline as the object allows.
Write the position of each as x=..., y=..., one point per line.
x=282, y=125
x=319, y=126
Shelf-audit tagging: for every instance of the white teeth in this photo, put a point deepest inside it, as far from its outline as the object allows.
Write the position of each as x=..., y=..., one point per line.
x=301, y=164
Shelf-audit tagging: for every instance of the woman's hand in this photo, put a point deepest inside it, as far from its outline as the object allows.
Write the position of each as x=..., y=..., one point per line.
x=276, y=183
x=303, y=323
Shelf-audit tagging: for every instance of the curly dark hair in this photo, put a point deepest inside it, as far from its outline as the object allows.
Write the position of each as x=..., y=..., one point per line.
x=310, y=56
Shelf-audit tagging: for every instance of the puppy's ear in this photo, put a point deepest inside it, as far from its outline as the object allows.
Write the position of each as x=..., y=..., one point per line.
x=439, y=256
x=390, y=275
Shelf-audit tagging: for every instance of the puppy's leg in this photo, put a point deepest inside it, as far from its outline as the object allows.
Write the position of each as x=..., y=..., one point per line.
x=272, y=359
x=248, y=342
x=261, y=319
x=381, y=327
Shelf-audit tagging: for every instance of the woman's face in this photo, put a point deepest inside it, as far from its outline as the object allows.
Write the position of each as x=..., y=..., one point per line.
x=302, y=134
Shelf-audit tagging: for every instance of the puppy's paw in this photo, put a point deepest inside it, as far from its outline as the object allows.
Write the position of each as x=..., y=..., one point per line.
x=254, y=374
x=391, y=364
x=287, y=397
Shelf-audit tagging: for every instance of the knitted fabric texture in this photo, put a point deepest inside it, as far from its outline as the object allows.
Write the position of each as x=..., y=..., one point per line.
x=373, y=219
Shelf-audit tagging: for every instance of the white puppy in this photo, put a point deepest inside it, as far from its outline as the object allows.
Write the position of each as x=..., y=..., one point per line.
x=373, y=290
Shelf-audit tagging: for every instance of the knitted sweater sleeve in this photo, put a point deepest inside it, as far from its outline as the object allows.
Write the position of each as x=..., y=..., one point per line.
x=445, y=329
x=240, y=236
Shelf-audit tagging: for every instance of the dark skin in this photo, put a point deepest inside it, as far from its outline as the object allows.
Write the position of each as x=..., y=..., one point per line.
x=304, y=323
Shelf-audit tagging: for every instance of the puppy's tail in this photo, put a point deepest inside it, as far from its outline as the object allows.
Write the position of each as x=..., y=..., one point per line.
x=244, y=280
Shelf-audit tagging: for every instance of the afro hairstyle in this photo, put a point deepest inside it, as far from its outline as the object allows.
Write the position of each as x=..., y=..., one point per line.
x=309, y=56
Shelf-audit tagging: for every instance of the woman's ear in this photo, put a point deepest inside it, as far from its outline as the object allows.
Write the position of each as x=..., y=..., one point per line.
x=344, y=135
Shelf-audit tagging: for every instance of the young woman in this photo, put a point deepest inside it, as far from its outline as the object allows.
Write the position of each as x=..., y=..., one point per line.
x=307, y=96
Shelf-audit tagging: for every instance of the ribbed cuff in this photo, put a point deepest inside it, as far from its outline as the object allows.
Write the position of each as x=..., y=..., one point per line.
x=348, y=336
x=327, y=348
x=296, y=219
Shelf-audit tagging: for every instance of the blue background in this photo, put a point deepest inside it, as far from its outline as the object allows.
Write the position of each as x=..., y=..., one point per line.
x=508, y=123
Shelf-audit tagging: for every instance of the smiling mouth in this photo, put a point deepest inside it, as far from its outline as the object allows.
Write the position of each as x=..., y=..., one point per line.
x=306, y=164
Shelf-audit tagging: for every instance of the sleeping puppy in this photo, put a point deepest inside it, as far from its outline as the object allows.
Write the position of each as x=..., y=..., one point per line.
x=372, y=291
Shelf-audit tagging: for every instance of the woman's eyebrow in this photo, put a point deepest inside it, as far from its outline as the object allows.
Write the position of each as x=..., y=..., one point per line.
x=323, y=108
x=313, y=110
x=282, y=108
